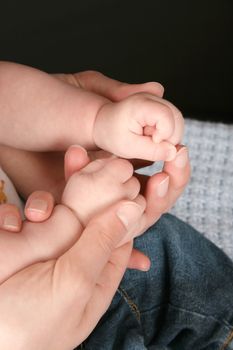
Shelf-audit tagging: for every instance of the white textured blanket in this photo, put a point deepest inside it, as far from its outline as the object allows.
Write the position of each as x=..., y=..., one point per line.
x=207, y=203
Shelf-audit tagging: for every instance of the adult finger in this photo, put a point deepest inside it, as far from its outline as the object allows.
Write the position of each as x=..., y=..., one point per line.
x=39, y=206
x=179, y=171
x=163, y=189
x=114, y=89
x=138, y=261
x=10, y=218
x=88, y=257
x=75, y=159
x=145, y=148
x=105, y=288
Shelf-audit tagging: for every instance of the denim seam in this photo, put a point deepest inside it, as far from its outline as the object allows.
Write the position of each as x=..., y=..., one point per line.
x=133, y=307
x=224, y=322
x=228, y=341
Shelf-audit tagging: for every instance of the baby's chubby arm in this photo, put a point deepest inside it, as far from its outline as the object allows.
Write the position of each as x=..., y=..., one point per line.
x=40, y=112
x=43, y=113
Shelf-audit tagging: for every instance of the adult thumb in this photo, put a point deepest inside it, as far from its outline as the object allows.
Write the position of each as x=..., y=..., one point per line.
x=84, y=262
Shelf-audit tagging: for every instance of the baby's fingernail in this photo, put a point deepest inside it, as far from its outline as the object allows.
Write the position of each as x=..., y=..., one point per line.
x=38, y=205
x=129, y=213
x=163, y=187
x=11, y=222
x=171, y=153
x=181, y=158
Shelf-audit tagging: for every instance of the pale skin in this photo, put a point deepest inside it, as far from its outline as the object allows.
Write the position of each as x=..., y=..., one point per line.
x=69, y=219
x=19, y=164
x=99, y=179
x=37, y=304
x=76, y=280
x=142, y=125
x=98, y=289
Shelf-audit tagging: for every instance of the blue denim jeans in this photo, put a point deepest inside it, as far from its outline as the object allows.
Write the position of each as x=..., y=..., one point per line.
x=184, y=302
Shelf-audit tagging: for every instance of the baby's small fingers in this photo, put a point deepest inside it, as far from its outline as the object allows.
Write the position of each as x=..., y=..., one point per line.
x=178, y=130
x=169, y=119
x=131, y=188
x=146, y=149
x=119, y=168
x=10, y=218
x=39, y=206
x=98, y=163
x=152, y=113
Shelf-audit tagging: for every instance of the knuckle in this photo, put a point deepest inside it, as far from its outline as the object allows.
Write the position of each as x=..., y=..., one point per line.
x=135, y=101
x=82, y=285
x=127, y=167
x=105, y=238
x=106, y=242
x=124, y=166
x=165, y=110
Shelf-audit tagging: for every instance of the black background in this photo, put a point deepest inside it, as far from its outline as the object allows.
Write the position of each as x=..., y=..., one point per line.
x=186, y=45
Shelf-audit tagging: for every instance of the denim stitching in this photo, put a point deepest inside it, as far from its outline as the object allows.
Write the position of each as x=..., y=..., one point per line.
x=130, y=303
x=228, y=341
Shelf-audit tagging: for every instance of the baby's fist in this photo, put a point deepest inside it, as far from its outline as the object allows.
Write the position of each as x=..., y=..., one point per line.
x=141, y=126
x=97, y=186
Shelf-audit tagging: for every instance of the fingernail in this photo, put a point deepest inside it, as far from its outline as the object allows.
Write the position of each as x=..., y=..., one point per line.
x=11, y=222
x=163, y=187
x=181, y=158
x=129, y=213
x=145, y=268
x=171, y=153
x=38, y=205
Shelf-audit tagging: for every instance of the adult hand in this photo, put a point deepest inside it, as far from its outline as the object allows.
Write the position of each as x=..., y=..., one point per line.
x=40, y=242
x=56, y=304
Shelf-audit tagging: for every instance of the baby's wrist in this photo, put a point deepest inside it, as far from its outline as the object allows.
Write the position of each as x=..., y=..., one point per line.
x=100, y=127
x=72, y=216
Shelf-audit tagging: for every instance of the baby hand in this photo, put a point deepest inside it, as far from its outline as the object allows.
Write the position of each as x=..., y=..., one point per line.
x=97, y=186
x=141, y=126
